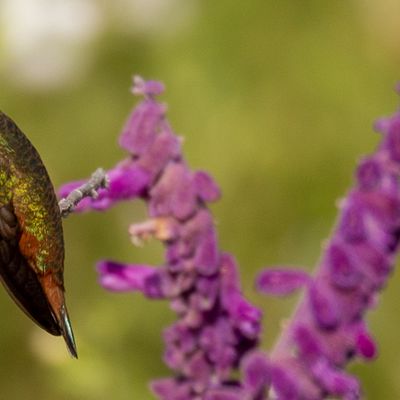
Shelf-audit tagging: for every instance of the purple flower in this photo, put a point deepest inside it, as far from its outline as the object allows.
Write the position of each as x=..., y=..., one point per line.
x=329, y=329
x=281, y=281
x=216, y=327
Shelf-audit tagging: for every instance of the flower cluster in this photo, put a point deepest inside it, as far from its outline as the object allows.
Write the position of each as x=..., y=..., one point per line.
x=217, y=329
x=328, y=328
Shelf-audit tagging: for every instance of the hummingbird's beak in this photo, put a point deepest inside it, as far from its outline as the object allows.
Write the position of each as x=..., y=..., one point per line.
x=67, y=332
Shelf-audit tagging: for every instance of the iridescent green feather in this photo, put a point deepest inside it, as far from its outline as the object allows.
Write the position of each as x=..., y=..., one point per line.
x=25, y=181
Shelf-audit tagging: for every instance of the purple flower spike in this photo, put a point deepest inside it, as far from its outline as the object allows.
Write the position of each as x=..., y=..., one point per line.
x=281, y=281
x=328, y=328
x=216, y=326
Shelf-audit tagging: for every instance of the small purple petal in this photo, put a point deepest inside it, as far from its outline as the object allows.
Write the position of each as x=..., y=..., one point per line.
x=158, y=285
x=365, y=344
x=324, y=307
x=352, y=224
x=208, y=289
x=171, y=389
x=374, y=262
x=218, y=341
x=180, y=336
x=199, y=370
x=179, y=305
x=369, y=174
x=142, y=87
x=257, y=373
x=184, y=282
x=127, y=181
x=284, y=384
x=120, y=277
x=206, y=257
x=343, y=272
x=193, y=318
x=309, y=346
x=382, y=125
x=222, y=333
x=207, y=285
x=227, y=357
x=141, y=128
x=173, y=194
x=383, y=207
x=205, y=186
x=174, y=254
x=191, y=234
x=165, y=147
x=202, y=302
x=244, y=315
x=281, y=281
x=173, y=357
x=336, y=382
x=229, y=273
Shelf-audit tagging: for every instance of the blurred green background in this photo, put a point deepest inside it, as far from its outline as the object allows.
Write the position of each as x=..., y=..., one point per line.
x=275, y=98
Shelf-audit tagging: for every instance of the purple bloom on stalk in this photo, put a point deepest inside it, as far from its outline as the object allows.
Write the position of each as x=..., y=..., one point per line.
x=216, y=326
x=328, y=328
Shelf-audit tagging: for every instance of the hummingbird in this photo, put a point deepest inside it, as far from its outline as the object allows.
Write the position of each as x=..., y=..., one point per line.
x=31, y=235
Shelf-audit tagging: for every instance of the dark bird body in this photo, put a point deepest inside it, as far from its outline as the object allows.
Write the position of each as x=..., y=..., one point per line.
x=31, y=235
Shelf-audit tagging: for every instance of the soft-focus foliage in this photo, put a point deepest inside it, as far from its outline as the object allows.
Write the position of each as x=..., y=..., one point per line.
x=275, y=99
